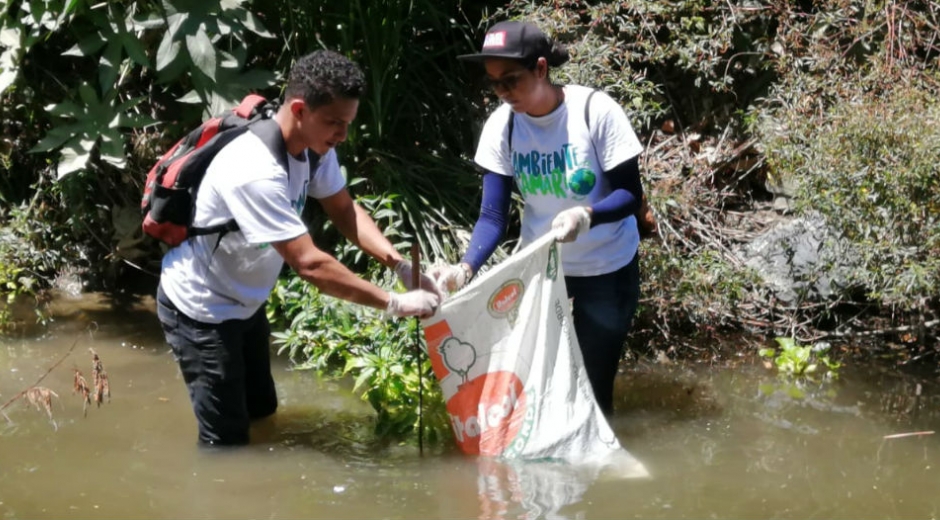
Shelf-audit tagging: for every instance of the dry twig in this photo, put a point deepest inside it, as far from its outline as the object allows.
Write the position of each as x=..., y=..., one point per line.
x=43, y=376
x=102, y=388
x=81, y=386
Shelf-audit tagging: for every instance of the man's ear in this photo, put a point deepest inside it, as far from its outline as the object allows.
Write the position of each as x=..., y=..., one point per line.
x=296, y=107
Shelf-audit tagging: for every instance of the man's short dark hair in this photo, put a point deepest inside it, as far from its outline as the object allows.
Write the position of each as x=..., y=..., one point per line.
x=322, y=76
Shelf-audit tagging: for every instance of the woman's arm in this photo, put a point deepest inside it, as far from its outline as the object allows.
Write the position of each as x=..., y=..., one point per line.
x=491, y=224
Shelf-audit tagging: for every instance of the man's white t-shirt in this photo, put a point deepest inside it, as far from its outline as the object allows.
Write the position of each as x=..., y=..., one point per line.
x=212, y=280
x=558, y=162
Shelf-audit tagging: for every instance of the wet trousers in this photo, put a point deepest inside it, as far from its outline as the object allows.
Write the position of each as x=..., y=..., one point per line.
x=603, y=308
x=227, y=370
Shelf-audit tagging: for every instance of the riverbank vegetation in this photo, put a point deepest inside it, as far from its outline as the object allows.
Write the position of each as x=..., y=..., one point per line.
x=789, y=152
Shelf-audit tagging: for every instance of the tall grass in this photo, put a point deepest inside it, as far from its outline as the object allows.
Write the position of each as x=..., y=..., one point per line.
x=415, y=129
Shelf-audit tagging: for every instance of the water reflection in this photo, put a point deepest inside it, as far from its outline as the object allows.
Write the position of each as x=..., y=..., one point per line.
x=720, y=443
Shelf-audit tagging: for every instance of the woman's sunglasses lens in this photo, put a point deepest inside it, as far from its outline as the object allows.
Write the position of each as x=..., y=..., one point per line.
x=504, y=83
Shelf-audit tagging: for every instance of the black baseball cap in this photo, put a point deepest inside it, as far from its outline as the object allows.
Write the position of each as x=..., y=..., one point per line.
x=514, y=40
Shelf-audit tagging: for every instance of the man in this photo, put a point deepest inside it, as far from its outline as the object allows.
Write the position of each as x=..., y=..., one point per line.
x=213, y=288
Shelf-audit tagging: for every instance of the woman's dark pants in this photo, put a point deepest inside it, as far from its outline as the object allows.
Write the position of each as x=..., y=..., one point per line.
x=603, y=310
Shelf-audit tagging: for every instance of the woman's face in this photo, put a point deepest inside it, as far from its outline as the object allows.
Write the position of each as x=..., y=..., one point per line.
x=513, y=83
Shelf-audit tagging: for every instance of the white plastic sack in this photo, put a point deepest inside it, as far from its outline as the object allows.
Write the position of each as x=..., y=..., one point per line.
x=509, y=365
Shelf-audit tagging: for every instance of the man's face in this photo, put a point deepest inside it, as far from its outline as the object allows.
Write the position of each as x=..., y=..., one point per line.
x=326, y=126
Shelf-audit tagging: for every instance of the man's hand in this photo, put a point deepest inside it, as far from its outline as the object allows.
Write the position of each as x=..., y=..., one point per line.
x=419, y=302
x=570, y=223
x=404, y=272
x=451, y=277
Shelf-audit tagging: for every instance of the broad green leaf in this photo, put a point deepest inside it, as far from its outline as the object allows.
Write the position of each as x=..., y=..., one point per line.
x=108, y=66
x=111, y=150
x=135, y=50
x=152, y=21
x=64, y=109
x=169, y=48
x=87, y=46
x=70, y=6
x=202, y=53
x=229, y=61
x=167, y=52
x=10, y=37
x=192, y=97
x=231, y=4
x=197, y=8
x=253, y=24
x=7, y=77
x=52, y=140
x=765, y=352
x=87, y=94
x=74, y=158
x=363, y=378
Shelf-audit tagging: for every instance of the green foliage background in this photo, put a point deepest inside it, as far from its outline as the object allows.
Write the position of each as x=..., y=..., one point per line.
x=836, y=97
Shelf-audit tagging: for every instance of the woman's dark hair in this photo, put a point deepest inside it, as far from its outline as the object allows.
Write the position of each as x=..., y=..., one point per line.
x=556, y=54
x=322, y=76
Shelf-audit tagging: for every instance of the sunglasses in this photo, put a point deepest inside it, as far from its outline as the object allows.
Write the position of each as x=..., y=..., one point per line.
x=507, y=82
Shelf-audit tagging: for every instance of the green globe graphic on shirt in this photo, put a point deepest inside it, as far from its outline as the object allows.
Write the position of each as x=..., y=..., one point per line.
x=582, y=181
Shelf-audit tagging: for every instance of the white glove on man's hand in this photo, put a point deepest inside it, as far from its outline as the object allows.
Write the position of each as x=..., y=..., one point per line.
x=570, y=223
x=403, y=270
x=419, y=302
x=451, y=277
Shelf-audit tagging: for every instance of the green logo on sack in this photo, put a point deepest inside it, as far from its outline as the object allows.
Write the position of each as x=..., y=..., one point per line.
x=552, y=270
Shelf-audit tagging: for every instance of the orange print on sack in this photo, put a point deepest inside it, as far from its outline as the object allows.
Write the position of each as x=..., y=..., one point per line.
x=487, y=413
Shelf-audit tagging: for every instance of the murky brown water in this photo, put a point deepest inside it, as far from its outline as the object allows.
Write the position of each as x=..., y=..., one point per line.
x=719, y=443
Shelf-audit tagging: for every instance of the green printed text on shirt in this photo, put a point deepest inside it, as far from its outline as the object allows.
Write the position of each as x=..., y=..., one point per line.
x=557, y=174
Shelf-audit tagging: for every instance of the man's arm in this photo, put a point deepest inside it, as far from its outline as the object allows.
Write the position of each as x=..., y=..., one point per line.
x=357, y=226
x=328, y=274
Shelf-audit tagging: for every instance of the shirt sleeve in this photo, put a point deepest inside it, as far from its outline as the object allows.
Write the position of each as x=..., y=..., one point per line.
x=328, y=178
x=493, y=150
x=612, y=133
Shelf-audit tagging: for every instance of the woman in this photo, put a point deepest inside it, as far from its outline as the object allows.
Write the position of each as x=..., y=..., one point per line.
x=573, y=155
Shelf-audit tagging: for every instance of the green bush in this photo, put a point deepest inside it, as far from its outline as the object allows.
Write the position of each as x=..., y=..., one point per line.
x=868, y=165
x=338, y=339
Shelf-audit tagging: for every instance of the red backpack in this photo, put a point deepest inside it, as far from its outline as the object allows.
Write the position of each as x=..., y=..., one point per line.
x=169, y=201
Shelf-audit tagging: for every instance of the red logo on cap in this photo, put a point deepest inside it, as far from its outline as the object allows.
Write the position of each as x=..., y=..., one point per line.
x=495, y=39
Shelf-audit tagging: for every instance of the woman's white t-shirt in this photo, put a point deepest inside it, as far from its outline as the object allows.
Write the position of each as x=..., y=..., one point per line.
x=212, y=280
x=555, y=166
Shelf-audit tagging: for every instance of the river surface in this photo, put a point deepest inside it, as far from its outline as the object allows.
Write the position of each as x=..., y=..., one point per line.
x=718, y=442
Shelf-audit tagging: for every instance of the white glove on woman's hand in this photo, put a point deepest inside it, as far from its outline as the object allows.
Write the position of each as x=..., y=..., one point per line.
x=570, y=223
x=419, y=302
x=403, y=270
x=451, y=277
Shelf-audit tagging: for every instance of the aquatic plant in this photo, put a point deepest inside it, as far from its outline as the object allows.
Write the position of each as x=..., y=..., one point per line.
x=801, y=361
x=337, y=339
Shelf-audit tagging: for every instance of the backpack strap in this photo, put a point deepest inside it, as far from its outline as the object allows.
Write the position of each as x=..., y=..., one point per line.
x=587, y=123
x=512, y=121
x=270, y=134
x=250, y=106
